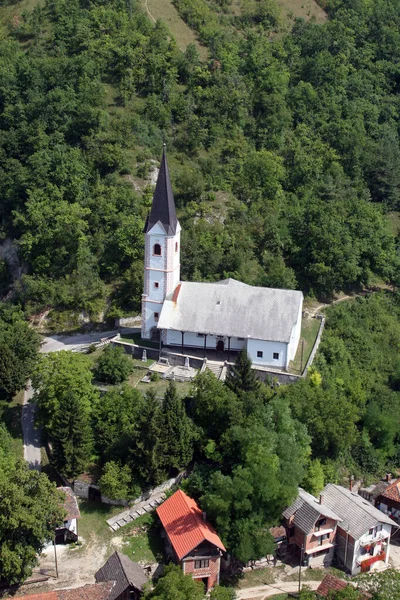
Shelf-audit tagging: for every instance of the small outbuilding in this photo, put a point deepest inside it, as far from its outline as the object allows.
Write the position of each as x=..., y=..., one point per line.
x=129, y=577
x=68, y=532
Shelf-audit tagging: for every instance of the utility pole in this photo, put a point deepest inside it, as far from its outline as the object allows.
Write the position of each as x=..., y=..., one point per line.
x=55, y=556
x=301, y=562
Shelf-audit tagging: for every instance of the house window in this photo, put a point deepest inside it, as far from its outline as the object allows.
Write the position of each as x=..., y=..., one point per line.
x=275, y=356
x=371, y=531
x=176, y=246
x=156, y=315
x=323, y=538
x=156, y=284
x=259, y=354
x=201, y=564
x=157, y=250
x=320, y=524
x=291, y=531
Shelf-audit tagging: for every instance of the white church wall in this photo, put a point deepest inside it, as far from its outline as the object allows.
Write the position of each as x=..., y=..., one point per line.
x=267, y=350
x=174, y=338
x=295, y=337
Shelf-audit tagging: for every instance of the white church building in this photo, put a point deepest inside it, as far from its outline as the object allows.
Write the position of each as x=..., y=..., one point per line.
x=224, y=316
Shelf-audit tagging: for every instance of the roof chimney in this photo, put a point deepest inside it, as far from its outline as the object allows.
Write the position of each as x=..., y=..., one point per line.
x=204, y=515
x=388, y=477
x=321, y=498
x=351, y=479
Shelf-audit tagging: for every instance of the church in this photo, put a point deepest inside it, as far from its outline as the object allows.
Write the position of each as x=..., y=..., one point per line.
x=225, y=316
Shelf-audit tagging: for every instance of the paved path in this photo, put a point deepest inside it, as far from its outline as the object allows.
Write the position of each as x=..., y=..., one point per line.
x=77, y=342
x=264, y=591
x=31, y=435
x=54, y=343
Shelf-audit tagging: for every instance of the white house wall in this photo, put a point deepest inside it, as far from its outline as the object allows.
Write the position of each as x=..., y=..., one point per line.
x=295, y=337
x=268, y=349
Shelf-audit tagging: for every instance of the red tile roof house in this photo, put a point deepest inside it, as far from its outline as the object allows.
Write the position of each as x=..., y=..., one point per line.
x=194, y=543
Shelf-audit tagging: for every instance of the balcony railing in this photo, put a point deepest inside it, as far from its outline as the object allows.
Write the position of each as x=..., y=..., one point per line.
x=367, y=562
x=373, y=539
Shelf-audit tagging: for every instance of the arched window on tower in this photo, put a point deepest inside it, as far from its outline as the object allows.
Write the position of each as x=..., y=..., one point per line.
x=176, y=246
x=157, y=250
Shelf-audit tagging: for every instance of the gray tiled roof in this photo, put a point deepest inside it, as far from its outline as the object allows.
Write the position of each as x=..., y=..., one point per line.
x=307, y=510
x=358, y=514
x=232, y=308
x=124, y=572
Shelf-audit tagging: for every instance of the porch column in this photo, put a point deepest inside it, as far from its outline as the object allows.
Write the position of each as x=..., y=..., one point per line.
x=229, y=346
x=183, y=336
x=205, y=345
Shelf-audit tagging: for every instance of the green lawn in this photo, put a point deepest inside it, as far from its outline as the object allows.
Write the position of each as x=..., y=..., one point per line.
x=315, y=574
x=142, y=541
x=309, y=331
x=134, y=338
x=183, y=34
x=8, y=12
x=92, y=523
x=257, y=577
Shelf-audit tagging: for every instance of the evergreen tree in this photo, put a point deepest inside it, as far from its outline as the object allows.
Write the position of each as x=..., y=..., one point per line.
x=147, y=447
x=177, y=430
x=241, y=377
x=72, y=436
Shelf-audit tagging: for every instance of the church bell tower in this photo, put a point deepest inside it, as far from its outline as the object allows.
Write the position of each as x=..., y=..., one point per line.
x=162, y=251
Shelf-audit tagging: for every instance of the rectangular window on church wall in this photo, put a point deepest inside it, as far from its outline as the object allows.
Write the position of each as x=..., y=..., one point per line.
x=275, y=356
x=156, y=284
x=200, y=335
x=156, y=316
x=259, y=354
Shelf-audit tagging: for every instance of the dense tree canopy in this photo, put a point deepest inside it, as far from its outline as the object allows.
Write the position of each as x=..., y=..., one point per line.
x=284, y=149
x=30, y=509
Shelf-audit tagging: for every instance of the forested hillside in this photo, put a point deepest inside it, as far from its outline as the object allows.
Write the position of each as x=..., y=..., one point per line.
x=283, y=146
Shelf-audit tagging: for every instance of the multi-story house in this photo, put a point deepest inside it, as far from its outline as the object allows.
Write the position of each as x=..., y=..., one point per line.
x=191, y=540
x=363, y=535
x=311, y=529
x=349, y=528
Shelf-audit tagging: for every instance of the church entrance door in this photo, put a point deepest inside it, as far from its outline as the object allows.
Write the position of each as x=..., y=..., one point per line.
x=220, y=346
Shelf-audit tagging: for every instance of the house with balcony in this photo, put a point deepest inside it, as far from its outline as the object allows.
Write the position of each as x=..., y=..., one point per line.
x=191, y=541
x=311, y=530
x=340, y=523
x=363, y=533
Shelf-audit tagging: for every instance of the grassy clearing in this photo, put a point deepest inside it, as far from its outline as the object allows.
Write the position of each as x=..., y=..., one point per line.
x=183, y=34
x=394, y=220
x=142, y=541
x=306, y=9
x=135, y=338
x=309, y=331
x=8, y=12
x=160, y=386
x=315, y=574
x=257, y=577
x=92, y=523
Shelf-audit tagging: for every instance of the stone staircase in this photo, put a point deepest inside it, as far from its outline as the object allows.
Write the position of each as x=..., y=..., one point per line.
x=216, y=368
x=139, y=509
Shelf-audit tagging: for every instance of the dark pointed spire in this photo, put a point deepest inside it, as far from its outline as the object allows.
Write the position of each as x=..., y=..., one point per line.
x=163, y=207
